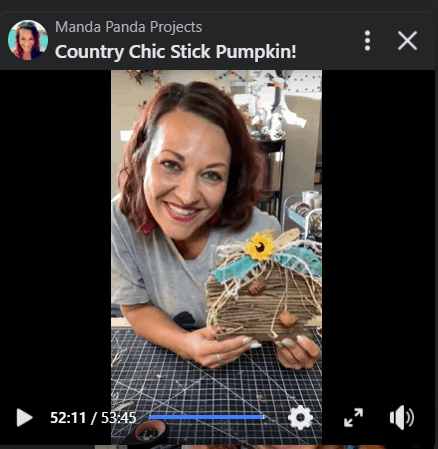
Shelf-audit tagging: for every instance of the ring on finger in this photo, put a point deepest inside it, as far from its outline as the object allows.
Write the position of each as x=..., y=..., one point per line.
x=220, y=360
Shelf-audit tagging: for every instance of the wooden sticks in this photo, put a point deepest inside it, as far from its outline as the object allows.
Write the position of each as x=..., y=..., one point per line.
x=257, y=314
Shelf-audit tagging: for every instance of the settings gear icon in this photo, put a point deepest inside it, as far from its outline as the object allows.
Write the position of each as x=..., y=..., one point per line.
x=300, y=410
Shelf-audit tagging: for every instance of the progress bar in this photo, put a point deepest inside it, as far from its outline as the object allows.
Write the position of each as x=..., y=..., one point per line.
x=206, y=417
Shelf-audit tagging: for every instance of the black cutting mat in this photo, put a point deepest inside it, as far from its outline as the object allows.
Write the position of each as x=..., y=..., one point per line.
x=159, y=382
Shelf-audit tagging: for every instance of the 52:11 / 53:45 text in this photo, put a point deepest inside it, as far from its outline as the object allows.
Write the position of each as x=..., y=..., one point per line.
x=81, y=417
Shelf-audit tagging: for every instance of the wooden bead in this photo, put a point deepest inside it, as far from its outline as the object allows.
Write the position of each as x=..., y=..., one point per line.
x=287, y=319
x=257, y=285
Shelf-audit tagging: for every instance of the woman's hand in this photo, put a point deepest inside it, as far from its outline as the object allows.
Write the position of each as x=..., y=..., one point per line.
x=303, y=353
x=202, y=347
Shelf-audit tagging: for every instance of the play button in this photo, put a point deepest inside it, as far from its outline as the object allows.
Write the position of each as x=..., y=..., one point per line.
x=22, y=417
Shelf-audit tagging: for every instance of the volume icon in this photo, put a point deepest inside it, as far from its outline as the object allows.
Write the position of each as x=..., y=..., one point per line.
x=399, y=417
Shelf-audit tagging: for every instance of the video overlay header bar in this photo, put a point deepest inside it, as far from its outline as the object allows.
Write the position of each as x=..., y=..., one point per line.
x=206, y=40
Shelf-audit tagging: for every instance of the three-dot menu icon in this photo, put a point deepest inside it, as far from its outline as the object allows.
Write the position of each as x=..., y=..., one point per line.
x=367, y=40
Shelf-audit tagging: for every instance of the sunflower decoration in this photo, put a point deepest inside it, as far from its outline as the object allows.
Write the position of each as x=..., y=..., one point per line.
x=260, y=248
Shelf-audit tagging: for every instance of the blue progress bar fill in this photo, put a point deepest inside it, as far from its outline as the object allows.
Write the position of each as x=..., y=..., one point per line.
x=206, y=417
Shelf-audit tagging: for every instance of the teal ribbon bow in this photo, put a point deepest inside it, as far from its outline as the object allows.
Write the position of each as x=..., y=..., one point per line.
x=288, y=259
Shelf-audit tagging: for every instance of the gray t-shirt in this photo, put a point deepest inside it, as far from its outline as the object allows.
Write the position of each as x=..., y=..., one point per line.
x=152, y=270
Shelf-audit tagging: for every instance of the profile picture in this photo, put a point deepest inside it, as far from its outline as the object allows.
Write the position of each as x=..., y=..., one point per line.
x=27, y=39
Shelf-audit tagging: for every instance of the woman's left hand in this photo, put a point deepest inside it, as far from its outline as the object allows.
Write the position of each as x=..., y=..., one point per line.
x=303, y=353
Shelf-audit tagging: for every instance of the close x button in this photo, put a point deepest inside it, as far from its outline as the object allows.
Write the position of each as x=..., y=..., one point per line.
x=407, y=40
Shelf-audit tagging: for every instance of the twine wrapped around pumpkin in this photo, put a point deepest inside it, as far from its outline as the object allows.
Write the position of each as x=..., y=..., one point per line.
x=251, y=303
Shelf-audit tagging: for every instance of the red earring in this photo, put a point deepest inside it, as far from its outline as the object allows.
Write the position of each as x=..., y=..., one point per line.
x=148, y=227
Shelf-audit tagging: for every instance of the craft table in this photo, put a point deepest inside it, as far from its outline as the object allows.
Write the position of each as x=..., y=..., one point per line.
x=159, y=382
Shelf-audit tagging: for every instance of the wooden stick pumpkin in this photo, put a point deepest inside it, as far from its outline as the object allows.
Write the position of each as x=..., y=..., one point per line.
x=266, y=289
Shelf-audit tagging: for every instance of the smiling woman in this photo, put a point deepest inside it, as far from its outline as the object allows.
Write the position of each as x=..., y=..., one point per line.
x=27, y=41
x=183, y=107
x=182, y=189
x=188, y=183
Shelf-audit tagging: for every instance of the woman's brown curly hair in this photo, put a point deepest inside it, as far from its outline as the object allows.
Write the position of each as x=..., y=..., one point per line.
x=208, y=102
